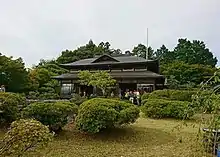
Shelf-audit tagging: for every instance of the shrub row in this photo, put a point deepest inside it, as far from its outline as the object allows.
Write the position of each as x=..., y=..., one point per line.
x=94, y=114
x=54, y=114
x=99, y=113
x=159, y=108
x=179, y=95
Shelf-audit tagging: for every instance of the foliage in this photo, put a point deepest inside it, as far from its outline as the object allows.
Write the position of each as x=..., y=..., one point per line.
x=33, y=95
x=159, y=108
x=164, y=55
x=141, y=51
x=41, y=82
x=24, y=135
x=180, y=95
x=194, y=52
x=48, y=95
x=87, y=51
x=100, y=79
x=77, y=99
x=13, y=74
x=185, y=73
x=99, y=113
x=10, y=105
x=85, y=77
x=54, y=114
x=145, y=96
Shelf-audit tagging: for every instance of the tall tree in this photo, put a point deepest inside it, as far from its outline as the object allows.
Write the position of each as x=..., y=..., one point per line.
x=40, y=78
x=164, y=55
x=194, y=52
x=13, y=74
x=87, y=51
x=187, y=74
x=141, y=51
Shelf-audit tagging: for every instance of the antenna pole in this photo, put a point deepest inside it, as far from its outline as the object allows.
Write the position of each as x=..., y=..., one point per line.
x=146, y=55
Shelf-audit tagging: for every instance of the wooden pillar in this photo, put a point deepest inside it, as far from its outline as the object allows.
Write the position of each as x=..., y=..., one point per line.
x=117, y=89
x=154, y=85
x=94, y=92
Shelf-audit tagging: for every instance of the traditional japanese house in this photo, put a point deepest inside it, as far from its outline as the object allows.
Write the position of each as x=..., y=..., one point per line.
x=130, y=72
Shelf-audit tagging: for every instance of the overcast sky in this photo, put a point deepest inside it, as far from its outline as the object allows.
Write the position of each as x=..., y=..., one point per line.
x=35, y=29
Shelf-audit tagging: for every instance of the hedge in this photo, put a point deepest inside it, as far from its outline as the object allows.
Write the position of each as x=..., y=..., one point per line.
x=10, y=106
x=99, y=113
x=159, y=108
x=55, y=114
x=180, y=95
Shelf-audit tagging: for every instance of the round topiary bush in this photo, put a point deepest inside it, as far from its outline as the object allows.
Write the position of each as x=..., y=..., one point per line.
x=159, y=108
x=10, y=106
x=54, y=114
x=24, y=135
x=100, y=113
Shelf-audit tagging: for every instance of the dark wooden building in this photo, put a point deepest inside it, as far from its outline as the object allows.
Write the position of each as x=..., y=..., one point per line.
x=130, y=72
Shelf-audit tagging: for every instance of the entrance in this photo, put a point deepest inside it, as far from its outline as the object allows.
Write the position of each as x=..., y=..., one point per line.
x=87, y=89
x=127, y=86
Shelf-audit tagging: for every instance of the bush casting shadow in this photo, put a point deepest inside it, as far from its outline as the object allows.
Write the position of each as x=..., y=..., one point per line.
x=127, y=134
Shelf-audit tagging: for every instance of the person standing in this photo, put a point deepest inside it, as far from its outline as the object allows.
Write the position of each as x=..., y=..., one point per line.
x=2, y=89
x=131, y=97
x=127, y=95
x=138, y=97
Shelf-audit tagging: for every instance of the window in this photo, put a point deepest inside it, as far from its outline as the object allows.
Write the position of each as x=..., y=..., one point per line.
x=67, y=89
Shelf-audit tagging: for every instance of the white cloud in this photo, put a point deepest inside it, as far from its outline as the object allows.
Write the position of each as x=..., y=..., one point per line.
x=43, y=28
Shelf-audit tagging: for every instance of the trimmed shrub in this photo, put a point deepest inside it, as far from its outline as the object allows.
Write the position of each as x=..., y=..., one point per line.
x=10, y=106
x=159, y=108
x=77, y=99
x=24, y=135
x=48, y=95
x=100, y=113
x=55, y=114
x=180, y=95
x=145, y=96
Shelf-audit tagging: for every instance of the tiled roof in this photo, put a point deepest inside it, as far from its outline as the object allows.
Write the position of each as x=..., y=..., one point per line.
x=117, y=74
x=119, y=59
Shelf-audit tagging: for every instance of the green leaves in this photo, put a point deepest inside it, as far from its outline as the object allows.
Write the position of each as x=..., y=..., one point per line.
x=40, y=79
x=13, y=74
x=185, y=73
x=55, y=115
x=100, y=79
x=24, y=135
x=97, y=114
x=194, y=52
x=10, y=106
x=141, y=51
x=160, y=108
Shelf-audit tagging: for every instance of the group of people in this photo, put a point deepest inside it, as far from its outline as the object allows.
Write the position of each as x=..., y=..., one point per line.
x=133, y=96
x=2, y=88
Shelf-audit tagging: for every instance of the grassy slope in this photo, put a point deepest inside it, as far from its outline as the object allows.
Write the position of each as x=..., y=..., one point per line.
x=146, y=138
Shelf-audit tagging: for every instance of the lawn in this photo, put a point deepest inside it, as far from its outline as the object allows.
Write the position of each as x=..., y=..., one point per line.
x=145, y=138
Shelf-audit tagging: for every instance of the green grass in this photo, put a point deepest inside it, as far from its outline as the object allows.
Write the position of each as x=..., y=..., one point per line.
x=145, y=138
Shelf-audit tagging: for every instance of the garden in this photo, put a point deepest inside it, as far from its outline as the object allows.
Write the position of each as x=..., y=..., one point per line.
x=182, y=120
x=166, y=124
